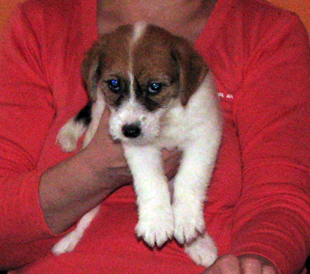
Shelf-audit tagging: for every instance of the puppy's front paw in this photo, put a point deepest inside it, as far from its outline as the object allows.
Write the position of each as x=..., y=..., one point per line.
x=69, y=135
x=203, y=250
x=156, y=226
x=188, y=221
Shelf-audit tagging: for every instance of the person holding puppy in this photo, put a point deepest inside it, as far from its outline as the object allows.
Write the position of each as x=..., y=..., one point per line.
x=258, y=202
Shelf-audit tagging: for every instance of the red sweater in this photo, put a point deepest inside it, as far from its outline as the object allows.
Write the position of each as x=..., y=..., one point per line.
x=259, y=198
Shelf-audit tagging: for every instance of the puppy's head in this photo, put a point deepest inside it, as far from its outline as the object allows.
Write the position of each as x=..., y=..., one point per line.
x=142, y=70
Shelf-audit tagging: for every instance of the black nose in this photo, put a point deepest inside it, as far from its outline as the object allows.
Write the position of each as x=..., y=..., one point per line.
x=131, y=130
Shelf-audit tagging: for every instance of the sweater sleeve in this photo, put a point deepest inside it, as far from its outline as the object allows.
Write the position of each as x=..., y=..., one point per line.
x=26, y=108
x=272, y=114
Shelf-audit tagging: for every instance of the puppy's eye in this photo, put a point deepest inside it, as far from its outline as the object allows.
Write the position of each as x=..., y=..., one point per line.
x=114, y=85
x=155, y=88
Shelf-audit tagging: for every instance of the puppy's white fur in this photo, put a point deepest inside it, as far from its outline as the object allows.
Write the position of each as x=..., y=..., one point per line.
x=196, y=130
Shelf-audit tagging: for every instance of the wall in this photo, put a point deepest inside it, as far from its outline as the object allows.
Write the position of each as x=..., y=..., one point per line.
x=6, y=7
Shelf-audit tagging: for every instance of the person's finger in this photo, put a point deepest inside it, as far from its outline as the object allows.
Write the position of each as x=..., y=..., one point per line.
x=269, y=270
x=251, y=266
x=171, y=160
x=227, y=264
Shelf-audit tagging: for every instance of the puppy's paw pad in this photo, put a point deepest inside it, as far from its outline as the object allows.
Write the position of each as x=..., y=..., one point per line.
x=203, y=251
x=156, y=229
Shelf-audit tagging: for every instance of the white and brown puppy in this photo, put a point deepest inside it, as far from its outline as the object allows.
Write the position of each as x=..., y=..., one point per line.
x=161, y=95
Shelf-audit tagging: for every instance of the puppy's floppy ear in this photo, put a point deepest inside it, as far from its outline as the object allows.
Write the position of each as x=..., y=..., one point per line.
x=192, y=68
x=92, y=70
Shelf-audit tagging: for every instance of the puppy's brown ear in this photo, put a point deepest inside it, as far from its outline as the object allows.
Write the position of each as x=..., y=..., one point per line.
x=192, y=68
x=92, y=70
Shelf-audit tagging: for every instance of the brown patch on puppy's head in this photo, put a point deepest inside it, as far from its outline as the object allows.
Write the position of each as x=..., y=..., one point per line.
x=147, y=62
x=107, y=59
x=169, y=60
x=192, y=67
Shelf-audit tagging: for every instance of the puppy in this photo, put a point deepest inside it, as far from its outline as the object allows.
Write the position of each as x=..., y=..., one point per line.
x=161, y=95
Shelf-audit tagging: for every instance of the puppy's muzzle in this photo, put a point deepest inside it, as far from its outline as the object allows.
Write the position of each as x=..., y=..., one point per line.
x=132, y=130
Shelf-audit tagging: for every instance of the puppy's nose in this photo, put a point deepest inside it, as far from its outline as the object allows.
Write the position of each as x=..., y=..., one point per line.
x=131, y=130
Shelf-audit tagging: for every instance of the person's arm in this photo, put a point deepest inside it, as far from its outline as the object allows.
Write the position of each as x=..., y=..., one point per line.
x=271, y=225
x=37, y=203
x=78, y=184
x=272, y=114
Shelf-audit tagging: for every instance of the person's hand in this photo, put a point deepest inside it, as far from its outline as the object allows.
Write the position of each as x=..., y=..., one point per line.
x=245, y=264
x=105, y=153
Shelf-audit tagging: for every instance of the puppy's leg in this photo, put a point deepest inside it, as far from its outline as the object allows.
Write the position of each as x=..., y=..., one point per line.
x=97, y=111
x=190, y=188
x=71, y=132
x=69, y=242
x=155, y=224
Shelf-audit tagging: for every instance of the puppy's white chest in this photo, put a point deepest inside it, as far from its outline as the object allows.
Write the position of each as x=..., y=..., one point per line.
x=184, y=124
x=173, y=130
